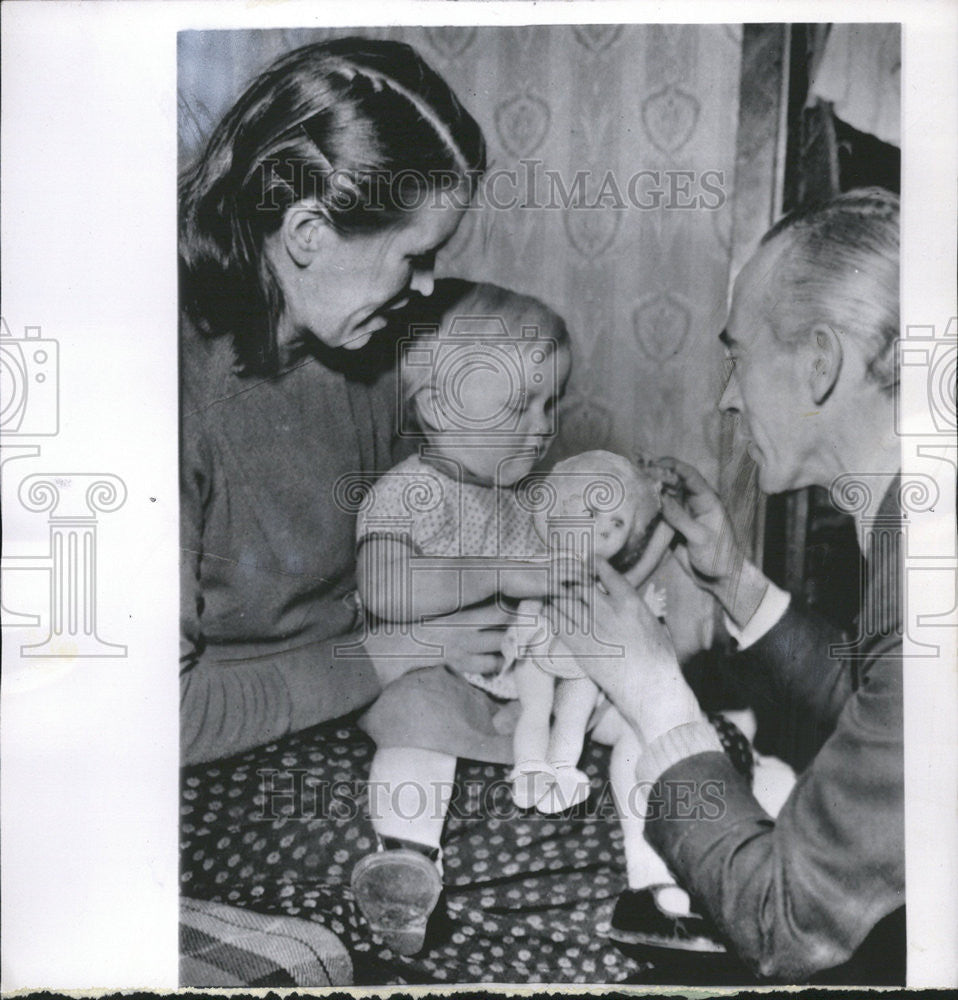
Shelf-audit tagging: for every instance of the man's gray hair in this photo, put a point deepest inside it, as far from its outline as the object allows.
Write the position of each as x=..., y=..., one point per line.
x=840, y=267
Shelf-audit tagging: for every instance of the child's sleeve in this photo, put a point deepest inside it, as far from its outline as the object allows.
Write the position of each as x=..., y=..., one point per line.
x=405, y=504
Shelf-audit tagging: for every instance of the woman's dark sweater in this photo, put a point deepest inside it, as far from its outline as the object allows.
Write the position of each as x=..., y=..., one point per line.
x=267, y=554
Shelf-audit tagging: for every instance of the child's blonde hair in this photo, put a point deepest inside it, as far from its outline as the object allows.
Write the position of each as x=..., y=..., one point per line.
x=478, y=310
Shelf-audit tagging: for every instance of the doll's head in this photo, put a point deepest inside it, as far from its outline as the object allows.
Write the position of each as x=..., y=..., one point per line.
x=622, y=501
x=483, y=380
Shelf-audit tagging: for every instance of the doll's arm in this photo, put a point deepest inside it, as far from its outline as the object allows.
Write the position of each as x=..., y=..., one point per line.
x=653, y=555
x=528, y=635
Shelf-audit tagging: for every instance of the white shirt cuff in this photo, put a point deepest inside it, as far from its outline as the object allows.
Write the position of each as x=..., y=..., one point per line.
x=770, y=610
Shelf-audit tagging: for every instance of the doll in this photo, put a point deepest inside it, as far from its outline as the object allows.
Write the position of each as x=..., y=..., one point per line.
x=602, y=505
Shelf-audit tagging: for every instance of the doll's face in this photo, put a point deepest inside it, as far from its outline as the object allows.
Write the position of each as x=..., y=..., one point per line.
x=611, y=528
x=617, y=507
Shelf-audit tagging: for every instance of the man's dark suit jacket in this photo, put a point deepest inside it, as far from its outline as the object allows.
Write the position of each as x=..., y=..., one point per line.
x=801, y=893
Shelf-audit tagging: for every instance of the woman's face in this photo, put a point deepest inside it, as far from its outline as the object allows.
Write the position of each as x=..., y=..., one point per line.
x=349, y=287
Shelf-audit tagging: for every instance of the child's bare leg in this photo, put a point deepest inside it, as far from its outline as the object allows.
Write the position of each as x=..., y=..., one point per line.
x=643, y=866
x=532, y=776
x=409, y=792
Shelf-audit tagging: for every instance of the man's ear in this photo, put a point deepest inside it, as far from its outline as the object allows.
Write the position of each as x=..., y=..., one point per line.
x=304, y=232
x=827, y=357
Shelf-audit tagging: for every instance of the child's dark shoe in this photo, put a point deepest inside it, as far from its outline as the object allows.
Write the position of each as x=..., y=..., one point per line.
x=639, y=918
x=397, y=890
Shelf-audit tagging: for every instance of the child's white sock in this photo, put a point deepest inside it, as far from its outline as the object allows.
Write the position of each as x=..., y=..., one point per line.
x=409, y=793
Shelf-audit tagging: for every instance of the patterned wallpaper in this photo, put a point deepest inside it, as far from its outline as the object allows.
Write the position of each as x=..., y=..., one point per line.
x=640, y=277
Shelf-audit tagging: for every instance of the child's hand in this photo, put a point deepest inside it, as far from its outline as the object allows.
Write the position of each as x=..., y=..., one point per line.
x=529, y=579
x=543, y=578
x=656, y=598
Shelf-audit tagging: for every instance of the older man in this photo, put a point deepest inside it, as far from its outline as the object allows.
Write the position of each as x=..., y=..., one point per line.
x=811, y=343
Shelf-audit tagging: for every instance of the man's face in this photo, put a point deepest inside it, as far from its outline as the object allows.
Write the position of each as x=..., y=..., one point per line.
x=767, y=384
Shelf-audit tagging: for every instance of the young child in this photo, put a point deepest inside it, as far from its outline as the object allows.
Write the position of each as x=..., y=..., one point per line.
x=443, y=530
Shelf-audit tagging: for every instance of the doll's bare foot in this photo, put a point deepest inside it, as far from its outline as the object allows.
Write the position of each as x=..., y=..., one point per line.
x=531, y=781
x=571, y=787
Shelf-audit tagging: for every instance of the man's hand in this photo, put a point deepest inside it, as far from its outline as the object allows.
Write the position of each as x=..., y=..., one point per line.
x=652, y=557
x=643, y=680
x=709, y=551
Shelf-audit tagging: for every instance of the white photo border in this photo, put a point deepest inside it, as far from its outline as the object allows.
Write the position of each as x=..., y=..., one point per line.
x=90, y=745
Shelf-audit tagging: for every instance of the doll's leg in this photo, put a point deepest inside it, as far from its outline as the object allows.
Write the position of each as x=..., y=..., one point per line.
x=574, y=701
x=653, y=912
x=398, y=886
x=532, y=776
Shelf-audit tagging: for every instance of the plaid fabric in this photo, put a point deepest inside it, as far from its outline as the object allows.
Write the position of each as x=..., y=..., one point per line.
x=227, y=946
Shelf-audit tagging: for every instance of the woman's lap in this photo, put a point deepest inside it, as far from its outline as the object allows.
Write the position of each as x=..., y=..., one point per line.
x=279, y=829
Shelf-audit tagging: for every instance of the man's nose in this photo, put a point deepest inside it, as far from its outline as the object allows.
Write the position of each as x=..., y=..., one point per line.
x=731, y=399
x=423, y=281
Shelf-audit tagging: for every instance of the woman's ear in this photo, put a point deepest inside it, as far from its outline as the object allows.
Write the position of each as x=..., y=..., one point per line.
x=304, y=232
x=826, y=364
x=425, y=406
